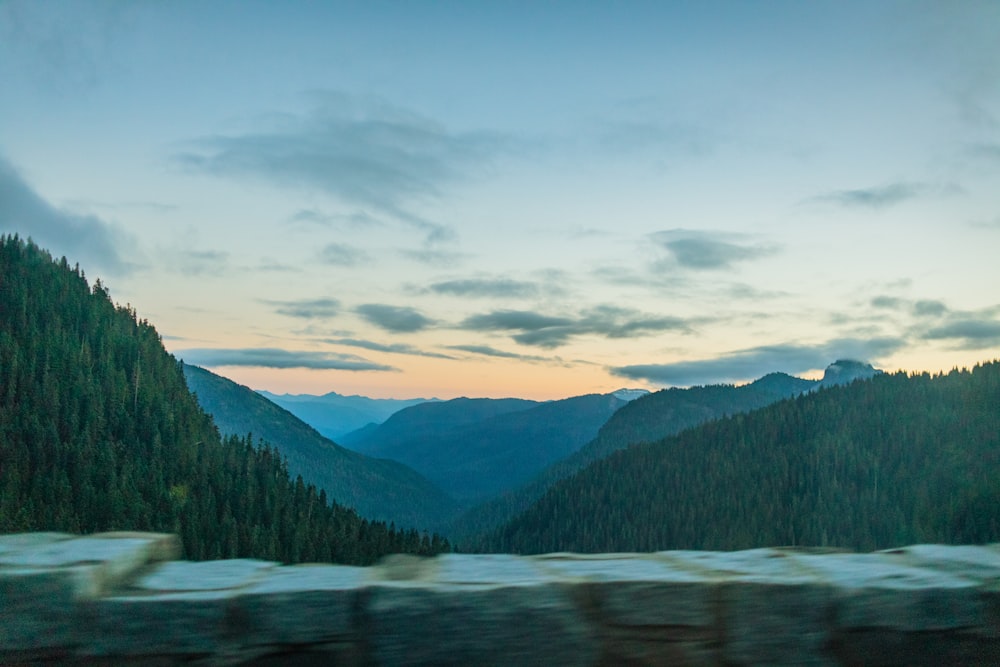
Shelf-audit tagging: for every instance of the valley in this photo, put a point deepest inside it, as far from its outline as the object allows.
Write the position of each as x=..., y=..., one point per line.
x=104, y=430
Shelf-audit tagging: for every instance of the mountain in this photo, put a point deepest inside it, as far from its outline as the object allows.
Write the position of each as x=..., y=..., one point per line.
x=98, y=432
x=629, y=394
x=475, y=448
x=376, y=488
x=649, y=417
x=334, y=415
x=428, y=420
x=846, y=371
x=894, y=460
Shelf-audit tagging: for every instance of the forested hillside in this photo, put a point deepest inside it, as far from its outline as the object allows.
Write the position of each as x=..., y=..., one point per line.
x=428, y=421
x=98, y=431
x=376, y=488
x=647, y=418
x=477, y=448
x=894, y=460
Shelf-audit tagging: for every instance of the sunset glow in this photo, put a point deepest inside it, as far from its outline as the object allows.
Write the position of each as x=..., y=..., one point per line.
x=533, y=199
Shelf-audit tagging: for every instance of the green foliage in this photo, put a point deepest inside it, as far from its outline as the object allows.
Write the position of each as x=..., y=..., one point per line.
x=98, y=431
x=890, y=461
x=377, y=488
x=477, y=448
x=651, y=417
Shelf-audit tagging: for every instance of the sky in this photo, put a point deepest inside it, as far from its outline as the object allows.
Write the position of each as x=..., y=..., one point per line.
x=534, y=199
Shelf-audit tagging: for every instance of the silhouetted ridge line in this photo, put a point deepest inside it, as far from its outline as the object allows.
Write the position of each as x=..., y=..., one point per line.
x=98, y=431
x=897, y=459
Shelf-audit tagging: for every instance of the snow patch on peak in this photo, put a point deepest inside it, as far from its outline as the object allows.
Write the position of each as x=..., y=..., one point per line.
x=629, y=394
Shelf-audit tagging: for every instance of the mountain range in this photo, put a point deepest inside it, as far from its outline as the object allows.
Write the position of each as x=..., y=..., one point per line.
x=893, y=460
x=651, y=417
x=377, y=488
x=493, y=456
x=476, y=448
x=99, y=432
x=335, y=415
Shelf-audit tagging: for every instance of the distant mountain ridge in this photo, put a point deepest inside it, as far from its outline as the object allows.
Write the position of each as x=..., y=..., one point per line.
x=648, y=418
x=629, y=394
x=335, y=415
x=845, y=371
x=474, y=448
x=427, y=419
x=898, y=459
x=375, y=487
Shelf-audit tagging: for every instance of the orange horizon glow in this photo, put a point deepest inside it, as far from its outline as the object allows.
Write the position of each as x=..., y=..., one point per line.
x=485, y=380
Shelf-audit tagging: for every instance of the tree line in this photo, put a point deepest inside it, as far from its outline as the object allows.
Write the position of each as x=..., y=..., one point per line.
x=98, y=431
x=648, y=418
x=898, y=459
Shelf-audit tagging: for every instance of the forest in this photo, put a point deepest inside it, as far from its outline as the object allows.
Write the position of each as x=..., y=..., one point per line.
x=651, y=417
x=897, y=459
x=98, y=431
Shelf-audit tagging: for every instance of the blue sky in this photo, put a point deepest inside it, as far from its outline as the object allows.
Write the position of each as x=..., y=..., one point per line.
x=533, y=199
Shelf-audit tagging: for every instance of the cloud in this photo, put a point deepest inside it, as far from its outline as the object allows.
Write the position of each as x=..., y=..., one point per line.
x=361, y=150
x=398, y=319
x=307, y=308
x=395, y=348
x=63, y=49
x=487, y=351
x=341, y=254
x=699, y=250
x=508, y=320
x=756, y=362
x=887, y=302
x=434, y=257
x=745, y=292
x=149, y=206
x=993, y=224
x=273, y=266
x=885, y=196
x=87, y=239
x=968, y=331
x=199, y=262
x=309, y=216
x=486, y=287
x=622, y=275
x=579, y=232
x=267, y=357
x=531, y=328
x=929, y=308
x=921, y=308
x=986, y=151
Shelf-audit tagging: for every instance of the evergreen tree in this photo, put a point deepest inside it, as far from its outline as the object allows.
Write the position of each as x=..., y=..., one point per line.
x=98, y=431
x=885, y=462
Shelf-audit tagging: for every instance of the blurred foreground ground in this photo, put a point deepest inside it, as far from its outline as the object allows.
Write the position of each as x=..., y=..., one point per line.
x=121, y=598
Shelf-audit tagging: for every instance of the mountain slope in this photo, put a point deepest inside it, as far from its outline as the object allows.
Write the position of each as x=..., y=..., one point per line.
x=890, y=461
x=649, y=417
x=428, y=421
x=376, y=488
x=845, y=371
x=98, y=431
x=334, y=415
x=475, y=448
